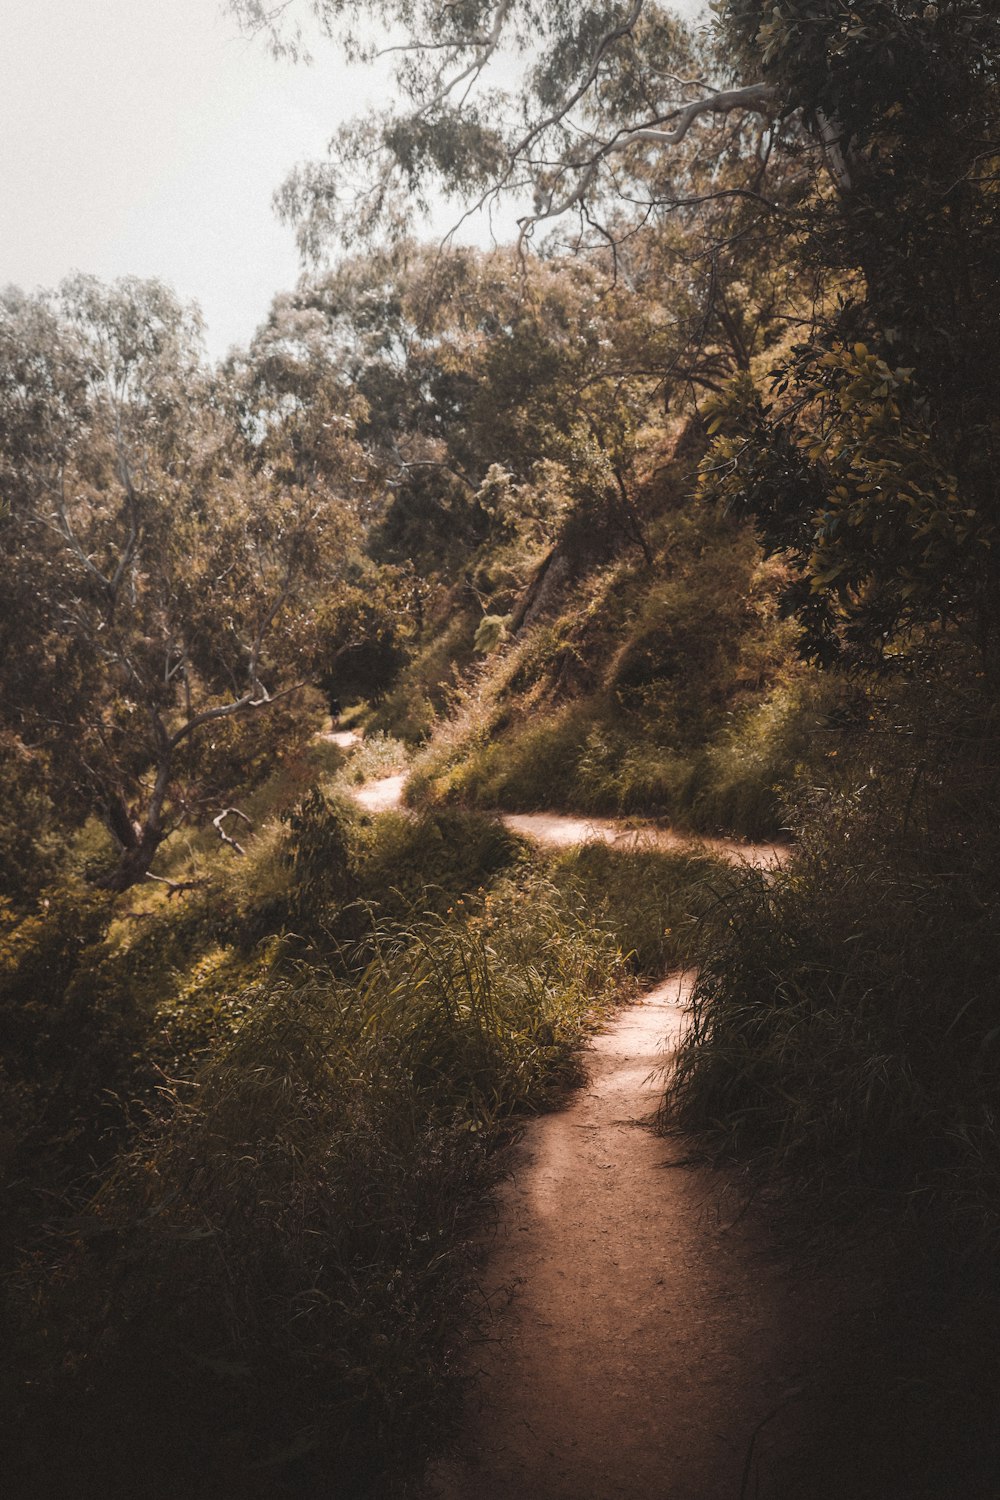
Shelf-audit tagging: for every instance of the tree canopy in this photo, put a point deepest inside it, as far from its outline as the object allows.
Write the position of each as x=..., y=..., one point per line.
x=155, y=577
x=855, y=147
x=559, y=106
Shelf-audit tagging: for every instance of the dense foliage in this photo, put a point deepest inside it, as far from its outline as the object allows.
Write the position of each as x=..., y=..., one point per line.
x=156, y=579
x=698, y=524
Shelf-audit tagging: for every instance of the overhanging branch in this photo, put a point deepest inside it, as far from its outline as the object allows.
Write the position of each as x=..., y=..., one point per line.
x=757, y=98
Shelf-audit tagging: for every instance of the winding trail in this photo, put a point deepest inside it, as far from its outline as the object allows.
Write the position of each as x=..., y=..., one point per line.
x=382, y=795
x=645, y=1338
x=563, y=830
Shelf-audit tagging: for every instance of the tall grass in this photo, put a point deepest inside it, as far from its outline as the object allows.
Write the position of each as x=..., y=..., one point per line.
x=845, y=1023
x=378, y=754
x=265, y=1295
x=673, y=692
x=652, y=902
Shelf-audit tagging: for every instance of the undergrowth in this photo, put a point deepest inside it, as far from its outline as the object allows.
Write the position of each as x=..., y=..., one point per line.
x=673, y=692
x=652, y=902
x=378, y=754
x=262, y=1291
x=845, y=1032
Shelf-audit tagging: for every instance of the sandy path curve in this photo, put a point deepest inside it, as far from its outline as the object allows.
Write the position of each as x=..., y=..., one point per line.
x=381, y=796
x=344, y=739
x=645, y=1339
x=563, y=830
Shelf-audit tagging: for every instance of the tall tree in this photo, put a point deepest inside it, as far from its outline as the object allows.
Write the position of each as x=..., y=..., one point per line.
x=863, y=140
x=155, y=583
x=558, y=105
x=870, y=453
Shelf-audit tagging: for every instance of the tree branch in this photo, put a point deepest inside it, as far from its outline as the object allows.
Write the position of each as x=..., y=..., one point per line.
x=226, y=710
x=223, y=835
x=174, y=888
x=485, y=48
x=757, y=98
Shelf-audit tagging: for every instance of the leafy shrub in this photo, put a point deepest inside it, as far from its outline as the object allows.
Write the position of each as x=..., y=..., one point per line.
x=618, y=773
x=321, y=854
x=747, y=776
x=491, y=633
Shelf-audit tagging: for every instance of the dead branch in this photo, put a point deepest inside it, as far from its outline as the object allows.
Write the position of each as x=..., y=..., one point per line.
x=174, y=888
x=223, y=835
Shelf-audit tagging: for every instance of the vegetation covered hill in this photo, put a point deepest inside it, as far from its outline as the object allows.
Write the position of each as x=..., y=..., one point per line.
x=696, y=522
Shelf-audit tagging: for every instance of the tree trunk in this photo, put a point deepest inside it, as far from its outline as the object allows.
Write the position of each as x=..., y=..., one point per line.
x=137, y=842
x=133, y=863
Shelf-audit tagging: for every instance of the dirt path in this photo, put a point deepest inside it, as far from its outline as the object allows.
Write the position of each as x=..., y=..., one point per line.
x=646, y=1338
x=638, y=1338
x=344, y=739
x=563, y=830
x=382, y=795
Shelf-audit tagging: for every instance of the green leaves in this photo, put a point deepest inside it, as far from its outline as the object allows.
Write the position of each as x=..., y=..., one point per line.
x=844, y=477
x=156, y=574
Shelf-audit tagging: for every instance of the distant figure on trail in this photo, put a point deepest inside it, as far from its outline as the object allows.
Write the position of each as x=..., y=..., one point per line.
x=334, y=710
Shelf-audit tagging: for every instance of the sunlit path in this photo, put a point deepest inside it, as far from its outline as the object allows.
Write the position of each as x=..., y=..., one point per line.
x=639, y=1330
x=638, y=1339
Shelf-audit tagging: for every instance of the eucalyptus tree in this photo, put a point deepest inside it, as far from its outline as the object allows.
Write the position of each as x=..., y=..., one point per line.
x=554, y=102
x=155, y=581
x=456, y=361
x=869, y=455
x=857, y=142
x=569, y=99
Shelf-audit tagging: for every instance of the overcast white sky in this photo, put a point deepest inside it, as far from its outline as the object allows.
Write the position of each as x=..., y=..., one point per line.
x=146, y=137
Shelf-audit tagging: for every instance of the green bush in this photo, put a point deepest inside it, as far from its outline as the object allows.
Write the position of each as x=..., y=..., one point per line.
x=748, y=774
x=620, y=773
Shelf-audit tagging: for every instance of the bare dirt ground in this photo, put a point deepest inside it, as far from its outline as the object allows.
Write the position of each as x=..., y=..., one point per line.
x=639, y=1337
x=645, y=1335
x=382, y=795
x=649, y=1336
x=344, y=739
x=562, y=830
